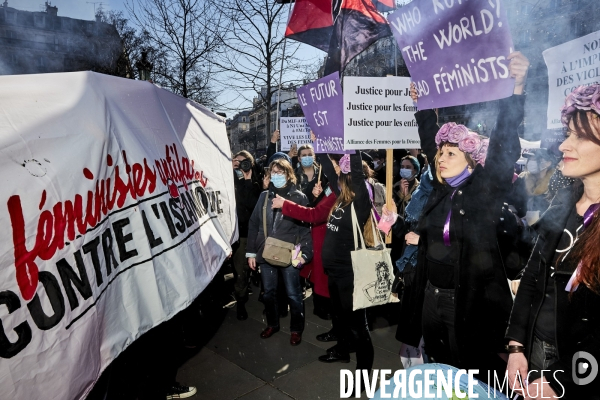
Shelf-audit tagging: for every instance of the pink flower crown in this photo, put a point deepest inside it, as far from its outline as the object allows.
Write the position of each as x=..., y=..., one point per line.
x=468, y=142
x=344, y=164
x=586, y=98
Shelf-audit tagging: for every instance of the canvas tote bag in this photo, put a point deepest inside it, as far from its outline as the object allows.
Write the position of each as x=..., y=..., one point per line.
x=373, y=273
x=276, y=252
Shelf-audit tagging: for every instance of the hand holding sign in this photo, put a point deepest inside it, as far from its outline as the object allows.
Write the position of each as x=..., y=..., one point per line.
x=519, y=64
x=275, y=136
x=317, y=190
x=414, y=95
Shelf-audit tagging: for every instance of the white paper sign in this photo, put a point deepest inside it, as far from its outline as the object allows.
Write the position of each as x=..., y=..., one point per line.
x=293, y=130
x=379, y=114
x=570, y=65
x=118, y=208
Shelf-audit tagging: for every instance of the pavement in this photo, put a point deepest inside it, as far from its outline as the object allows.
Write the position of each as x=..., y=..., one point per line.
x=236, y=363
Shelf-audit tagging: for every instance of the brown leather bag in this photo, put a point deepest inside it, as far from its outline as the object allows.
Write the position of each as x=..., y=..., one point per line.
x=276, y=252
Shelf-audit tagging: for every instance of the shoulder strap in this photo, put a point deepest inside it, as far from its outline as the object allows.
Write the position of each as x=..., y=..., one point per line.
x=356, y=227
x=265, y=214
x=376, y=232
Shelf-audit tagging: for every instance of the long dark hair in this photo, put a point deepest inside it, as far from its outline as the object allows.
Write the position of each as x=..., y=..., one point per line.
x=586, y=250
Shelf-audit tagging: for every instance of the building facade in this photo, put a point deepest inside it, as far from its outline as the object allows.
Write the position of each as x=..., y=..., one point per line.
x=237, y=127
x=257, y=137
x=43, y=42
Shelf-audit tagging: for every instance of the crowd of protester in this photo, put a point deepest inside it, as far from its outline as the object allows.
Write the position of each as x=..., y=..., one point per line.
x=495, y=248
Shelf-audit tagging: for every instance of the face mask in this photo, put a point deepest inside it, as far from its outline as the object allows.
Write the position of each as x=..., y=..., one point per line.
x=278, y=180
x=307, y=161
x=375, y=164
x=406, y=173
x=533, y=167
x=238, y=173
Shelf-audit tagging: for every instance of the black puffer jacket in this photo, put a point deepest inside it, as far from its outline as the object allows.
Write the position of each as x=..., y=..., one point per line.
x=246, y=196
x=278, y=226
x=482, y=297
x=577, y=319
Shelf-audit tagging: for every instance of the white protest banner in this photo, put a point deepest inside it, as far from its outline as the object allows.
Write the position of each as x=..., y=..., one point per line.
x=379, y=113
x=570, y=65
x=293, y=130
x=118, y=209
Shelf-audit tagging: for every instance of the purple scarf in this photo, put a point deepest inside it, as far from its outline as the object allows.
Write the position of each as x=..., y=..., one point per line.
x=454, y=182
x=457, y=180
x=589, y=214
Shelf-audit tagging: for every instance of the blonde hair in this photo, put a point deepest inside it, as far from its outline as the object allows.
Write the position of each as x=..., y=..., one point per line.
x=285, y=166
x=438, y=174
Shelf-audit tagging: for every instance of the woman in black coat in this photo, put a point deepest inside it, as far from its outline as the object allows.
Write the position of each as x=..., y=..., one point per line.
x=555, y=322
x=460, y=300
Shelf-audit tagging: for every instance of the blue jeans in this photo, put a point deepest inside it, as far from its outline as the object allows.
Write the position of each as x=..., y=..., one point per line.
x=291, y=280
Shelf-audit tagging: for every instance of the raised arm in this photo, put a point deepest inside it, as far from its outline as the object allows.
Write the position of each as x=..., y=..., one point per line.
x=427, y=125
x=362, y=201
x=505, y=149
x=329, y=172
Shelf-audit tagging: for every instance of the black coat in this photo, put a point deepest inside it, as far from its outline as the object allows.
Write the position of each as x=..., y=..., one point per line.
x=577, y=320
x=482, y=295
x=282, y=227
x=246, y=196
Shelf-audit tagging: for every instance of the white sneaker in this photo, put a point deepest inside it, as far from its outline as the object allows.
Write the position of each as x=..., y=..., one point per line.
x=232, y=303
x=178, y=391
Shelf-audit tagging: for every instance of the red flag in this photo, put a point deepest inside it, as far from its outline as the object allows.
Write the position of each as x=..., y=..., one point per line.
x=311, y=22
x=384, y=5
x=356, y=27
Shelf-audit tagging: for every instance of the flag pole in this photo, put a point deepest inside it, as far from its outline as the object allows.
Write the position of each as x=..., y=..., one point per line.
x=281, y=73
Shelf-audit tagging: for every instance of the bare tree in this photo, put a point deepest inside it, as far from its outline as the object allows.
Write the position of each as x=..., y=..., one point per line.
x=254, y=49
x=184, y=35
x=133, y=42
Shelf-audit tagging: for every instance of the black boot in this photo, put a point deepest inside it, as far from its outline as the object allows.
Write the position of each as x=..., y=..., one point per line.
x=242, y=314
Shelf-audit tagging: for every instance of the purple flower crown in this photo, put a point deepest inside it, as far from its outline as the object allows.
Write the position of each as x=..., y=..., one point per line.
x=468, y=142
x=586, y=98
x=344, y=164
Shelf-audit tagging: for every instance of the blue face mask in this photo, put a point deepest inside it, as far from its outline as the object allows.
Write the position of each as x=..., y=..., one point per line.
x=406, y=173
x=238, y=173
x=278, y=180
x=307, y=161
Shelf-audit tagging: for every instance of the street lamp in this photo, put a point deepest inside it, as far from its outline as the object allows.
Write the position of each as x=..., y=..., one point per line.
x=144, y=67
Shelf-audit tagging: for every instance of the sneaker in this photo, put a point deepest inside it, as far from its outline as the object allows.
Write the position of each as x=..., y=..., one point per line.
x=178, y=391
x=228, y=277
x=307, y=293
x=232, y=303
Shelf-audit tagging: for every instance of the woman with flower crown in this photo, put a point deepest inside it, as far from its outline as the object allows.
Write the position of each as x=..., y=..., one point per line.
x=460, y=300
x=555, y=326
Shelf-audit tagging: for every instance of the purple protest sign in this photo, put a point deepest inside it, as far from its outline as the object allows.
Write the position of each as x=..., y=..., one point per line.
x=455, y=50
x=322, y=102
